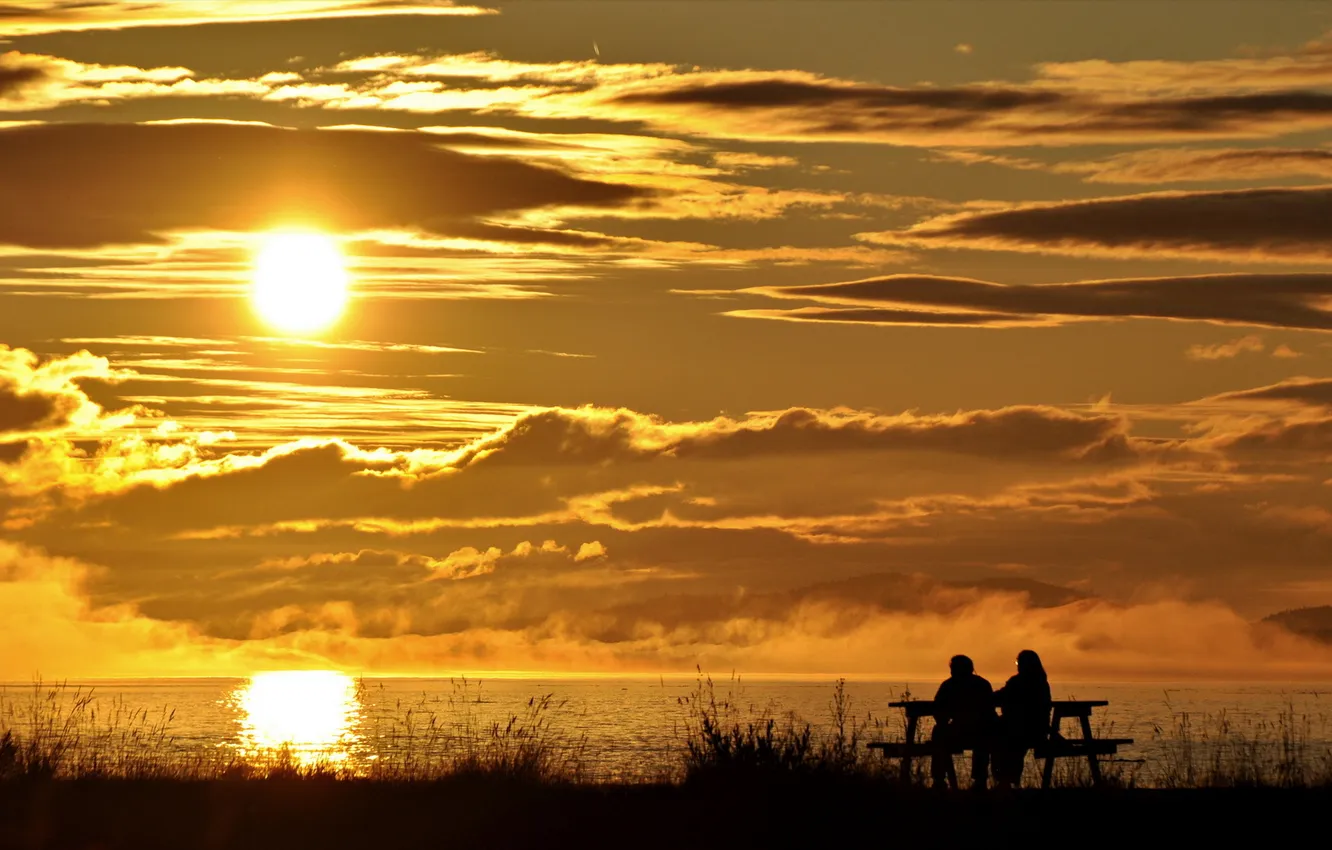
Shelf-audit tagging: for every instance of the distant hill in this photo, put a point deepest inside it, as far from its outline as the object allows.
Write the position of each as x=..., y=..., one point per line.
x=1313, y=623
x=1039, y=594
x=888, y=592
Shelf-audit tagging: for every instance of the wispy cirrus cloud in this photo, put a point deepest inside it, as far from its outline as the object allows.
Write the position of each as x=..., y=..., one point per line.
x=184, y=407
x=257, y=408
x=1226, y=350
x=491, y=68
x=1306, y=66
x=1314, y=392
x=1214, y=165
x=1171, y=165
x=171, y=342
x=687, y=179
x=30, y=17
x=785, y=105
x=1298, y=301
x=35, y=82
x=385, y=263
x=1251, y=344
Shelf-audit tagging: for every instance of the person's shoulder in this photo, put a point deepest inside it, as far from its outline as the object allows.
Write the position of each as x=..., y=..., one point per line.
x=982, y=682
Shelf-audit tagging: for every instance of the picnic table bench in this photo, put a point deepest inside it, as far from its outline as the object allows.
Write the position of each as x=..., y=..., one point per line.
x=1054, y=746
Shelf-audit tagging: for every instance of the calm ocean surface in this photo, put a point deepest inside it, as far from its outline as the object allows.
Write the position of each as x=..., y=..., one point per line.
x=632, y=727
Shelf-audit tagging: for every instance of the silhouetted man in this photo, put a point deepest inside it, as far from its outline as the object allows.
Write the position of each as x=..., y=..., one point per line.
x=963, y=717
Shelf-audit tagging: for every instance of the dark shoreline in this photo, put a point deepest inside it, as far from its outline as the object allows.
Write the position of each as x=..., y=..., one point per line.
x=486, y=812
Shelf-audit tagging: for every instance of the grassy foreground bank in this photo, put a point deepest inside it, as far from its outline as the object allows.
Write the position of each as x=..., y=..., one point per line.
x=482, y=812
x=76, y=775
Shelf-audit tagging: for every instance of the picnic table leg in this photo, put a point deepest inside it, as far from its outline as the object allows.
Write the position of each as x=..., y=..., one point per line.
x=906, y=758
x=1092, y=764
x=1047, y=775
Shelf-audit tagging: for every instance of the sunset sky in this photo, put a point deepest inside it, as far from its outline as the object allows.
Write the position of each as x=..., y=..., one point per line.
x=781, y=337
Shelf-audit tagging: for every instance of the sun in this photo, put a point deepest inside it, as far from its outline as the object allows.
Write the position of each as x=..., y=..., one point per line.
x=301, y=285
x=311, y=712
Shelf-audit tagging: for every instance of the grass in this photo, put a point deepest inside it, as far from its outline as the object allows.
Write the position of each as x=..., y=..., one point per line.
x=722, y=739
x=55, y=731
x=1288, y=750
x=62, y=731
x=432, y=738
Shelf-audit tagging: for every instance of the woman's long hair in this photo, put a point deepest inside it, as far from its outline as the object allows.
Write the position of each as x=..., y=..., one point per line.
x=1029, y=664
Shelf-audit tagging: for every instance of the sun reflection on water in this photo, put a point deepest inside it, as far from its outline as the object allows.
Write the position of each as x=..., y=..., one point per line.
x=310, y=713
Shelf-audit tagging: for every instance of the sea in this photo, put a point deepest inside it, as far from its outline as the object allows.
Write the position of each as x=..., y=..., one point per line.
x=626, y=729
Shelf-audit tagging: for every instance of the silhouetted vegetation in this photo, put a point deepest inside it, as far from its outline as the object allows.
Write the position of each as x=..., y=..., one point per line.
x=73, y=774
x=723, y=739
x=64, y=732
x=429, y=740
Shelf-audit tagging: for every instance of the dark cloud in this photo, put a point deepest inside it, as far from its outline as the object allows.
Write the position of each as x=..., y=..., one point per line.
x=1211, y=113
x=389, y=591
x=799, y=106
x=1272, y=300
x=561, y=466
x=1299, y=429
x=328, y=481
x=28, y=411
x=764, y=94
x=1009, y=431
x=589, y=436
x=70, y=185
x=1271, y=224
x=886, y=316
x=1299, y=440
x=17, y=73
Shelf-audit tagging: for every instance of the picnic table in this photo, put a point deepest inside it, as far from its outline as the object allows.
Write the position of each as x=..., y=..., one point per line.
x=1053, y=747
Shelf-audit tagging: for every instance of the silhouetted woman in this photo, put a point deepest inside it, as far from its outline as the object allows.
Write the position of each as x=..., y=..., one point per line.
x=1024, y=701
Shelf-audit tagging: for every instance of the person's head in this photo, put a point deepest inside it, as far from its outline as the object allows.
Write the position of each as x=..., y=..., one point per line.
x=960, y=665
x=1029, y=664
